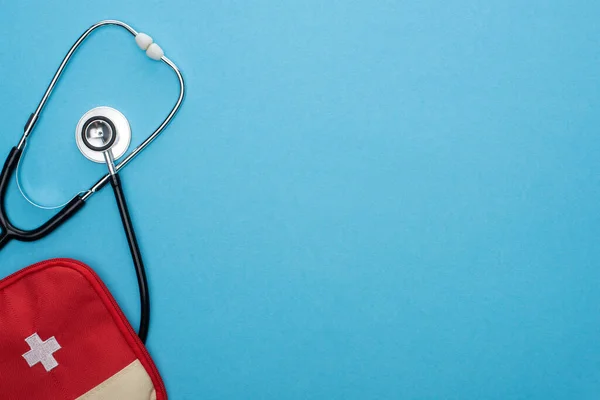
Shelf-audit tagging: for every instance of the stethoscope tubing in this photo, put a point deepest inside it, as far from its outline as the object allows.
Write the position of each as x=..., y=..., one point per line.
x=136, y=256
x=35, y=116
x=9, y=231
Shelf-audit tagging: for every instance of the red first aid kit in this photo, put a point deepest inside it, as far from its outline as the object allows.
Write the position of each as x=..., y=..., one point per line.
x=63, y=337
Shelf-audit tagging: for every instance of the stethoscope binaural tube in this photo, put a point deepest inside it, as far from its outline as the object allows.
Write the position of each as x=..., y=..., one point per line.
x=9, y=231
x=153, y=51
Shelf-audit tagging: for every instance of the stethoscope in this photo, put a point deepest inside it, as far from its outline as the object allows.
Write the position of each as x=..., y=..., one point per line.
x=102, y=135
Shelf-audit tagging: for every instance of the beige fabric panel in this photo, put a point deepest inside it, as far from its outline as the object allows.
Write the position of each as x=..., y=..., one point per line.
x=131, y=383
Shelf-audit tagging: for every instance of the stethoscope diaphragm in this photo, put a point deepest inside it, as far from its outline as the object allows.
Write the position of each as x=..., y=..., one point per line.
x=102, y=128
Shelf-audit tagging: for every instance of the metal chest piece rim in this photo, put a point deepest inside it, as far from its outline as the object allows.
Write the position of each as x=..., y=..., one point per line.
x=122, y=134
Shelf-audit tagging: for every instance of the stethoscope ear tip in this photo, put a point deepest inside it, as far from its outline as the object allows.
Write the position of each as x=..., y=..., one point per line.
x=102, y=129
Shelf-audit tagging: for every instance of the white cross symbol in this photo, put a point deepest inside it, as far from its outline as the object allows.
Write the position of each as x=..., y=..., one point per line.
x=41, y=352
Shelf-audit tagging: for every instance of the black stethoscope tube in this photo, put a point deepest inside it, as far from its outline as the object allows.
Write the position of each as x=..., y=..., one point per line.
x=9, y=231
x=136, y=256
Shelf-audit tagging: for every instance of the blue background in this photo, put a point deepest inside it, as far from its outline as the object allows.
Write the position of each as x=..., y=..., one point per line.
x=358, y=200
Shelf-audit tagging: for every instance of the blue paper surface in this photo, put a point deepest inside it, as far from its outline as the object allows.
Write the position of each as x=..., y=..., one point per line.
x=358, y=199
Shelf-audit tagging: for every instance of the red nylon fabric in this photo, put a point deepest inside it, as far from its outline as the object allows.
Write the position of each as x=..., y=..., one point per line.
x=64, y=299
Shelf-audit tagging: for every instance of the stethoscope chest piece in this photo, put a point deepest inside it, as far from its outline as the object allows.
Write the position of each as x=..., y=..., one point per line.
x=100, y=129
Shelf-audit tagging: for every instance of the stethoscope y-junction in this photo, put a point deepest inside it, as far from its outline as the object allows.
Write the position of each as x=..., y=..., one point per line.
x=103, y=135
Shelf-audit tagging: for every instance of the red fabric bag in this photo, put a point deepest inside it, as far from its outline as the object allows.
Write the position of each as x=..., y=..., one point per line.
x=63, y=337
